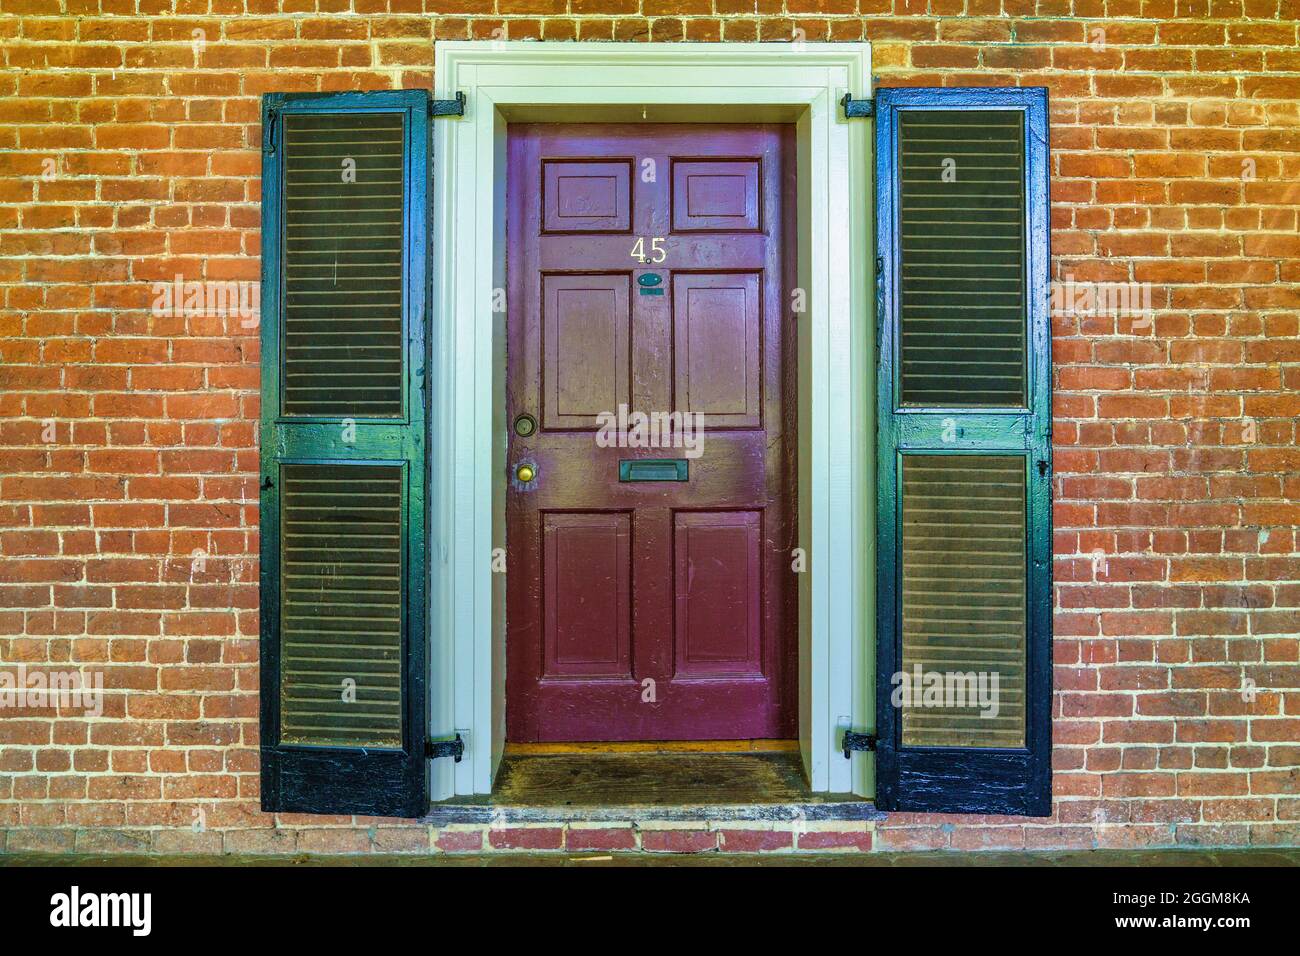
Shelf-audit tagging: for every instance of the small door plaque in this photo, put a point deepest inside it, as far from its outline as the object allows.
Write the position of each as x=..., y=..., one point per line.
x=650, y=283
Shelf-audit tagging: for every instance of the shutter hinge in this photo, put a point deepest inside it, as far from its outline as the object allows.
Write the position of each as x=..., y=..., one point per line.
x=433, y=749
x=1042, y=468
x=454, y=107
x=856, y=108
x=858, y=742
x=268, y=133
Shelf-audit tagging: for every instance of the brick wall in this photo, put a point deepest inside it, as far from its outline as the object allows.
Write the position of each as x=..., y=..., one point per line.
x=128, y=443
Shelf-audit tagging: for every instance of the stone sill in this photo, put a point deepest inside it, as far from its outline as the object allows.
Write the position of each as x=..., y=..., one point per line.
x=485, y=810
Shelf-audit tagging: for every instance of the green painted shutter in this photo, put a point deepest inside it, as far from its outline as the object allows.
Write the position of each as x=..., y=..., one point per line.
x=343, y=517
x=964, y=452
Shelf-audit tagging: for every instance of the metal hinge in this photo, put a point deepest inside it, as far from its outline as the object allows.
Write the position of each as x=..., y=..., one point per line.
x=454, y=107
x=433, y=749
x=269, y=130
x=856, y=108
x=858, y=742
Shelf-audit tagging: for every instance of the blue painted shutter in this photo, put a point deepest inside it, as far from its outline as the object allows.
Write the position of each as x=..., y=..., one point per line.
x=344, y=278
x=964, y=451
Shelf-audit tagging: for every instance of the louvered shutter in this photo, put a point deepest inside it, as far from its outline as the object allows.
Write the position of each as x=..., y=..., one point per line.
x=964, y=451
x=344, y=277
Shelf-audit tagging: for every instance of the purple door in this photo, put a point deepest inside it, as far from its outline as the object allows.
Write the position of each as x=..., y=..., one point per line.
x=650, y=390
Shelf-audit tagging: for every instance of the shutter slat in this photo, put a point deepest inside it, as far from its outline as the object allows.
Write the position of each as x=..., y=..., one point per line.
x=330, y=626
x=342, y=266
x=946, y=299
x=965, y=507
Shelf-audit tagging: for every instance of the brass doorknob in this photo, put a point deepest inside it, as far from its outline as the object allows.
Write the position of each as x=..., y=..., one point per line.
x=525, y=473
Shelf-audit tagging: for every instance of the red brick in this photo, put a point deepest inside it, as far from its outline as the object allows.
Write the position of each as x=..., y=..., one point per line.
x=835, y=840
x=459, y=841
x=526, y=838
x=679, y=841
x=754, y=841
x=603, y=838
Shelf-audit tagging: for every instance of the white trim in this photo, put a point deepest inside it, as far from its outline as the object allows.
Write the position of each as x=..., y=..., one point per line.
x=802, y=83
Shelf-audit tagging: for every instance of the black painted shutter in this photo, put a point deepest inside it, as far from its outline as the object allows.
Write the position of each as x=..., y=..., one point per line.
x=344, y=278
x=964, y=452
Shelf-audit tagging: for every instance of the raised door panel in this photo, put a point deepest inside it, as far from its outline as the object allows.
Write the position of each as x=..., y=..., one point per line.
x=586, y=196
x=717, y=348
x=716, y=195
x=587, y=333
x=586, y=571
x=718, y=591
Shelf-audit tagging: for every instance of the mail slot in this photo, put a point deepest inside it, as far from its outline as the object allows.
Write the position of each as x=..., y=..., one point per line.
x=653, y=469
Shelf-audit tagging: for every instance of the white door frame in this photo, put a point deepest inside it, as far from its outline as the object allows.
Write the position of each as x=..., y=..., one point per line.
x=800, y=83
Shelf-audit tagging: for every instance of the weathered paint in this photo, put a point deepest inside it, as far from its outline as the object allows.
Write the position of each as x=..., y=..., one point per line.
x=684, y=583
x=941, y=778
x=334, y=779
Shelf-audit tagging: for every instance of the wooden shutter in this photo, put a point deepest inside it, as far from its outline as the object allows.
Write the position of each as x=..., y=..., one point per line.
x=964, y=451
x=344, y=278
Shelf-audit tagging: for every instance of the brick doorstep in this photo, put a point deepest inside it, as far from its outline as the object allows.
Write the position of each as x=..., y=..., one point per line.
x=1096, y=858
x=647, y=836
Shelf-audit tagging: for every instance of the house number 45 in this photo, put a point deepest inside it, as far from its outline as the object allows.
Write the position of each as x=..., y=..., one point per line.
x=657, y=251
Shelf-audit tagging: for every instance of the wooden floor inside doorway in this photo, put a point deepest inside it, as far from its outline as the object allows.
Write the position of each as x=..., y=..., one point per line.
x=650, y=779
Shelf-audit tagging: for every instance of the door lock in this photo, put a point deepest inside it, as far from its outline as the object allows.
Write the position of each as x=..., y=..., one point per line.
x=525, y=425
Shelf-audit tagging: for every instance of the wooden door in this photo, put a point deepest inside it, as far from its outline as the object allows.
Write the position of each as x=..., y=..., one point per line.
x=659, y=609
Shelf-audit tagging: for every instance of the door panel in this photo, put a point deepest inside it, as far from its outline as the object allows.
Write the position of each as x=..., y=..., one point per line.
x=717, y=336
x=588, y=596
x=660, y=609
x=716, y=196
x=718, y=591
x=586, y=196
x=586, y=341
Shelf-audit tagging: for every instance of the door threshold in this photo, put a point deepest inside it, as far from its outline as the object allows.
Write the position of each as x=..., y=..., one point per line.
x=651, y=747
x=651, y=786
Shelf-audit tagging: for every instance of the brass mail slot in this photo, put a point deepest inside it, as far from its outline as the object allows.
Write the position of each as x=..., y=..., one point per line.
x=653, y=469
